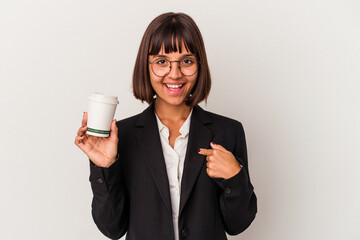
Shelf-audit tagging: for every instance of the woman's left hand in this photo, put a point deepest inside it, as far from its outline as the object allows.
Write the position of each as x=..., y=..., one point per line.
x=221, y=163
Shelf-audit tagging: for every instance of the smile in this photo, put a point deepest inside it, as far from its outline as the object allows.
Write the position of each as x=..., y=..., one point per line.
x=174, y=86
x=174, y=89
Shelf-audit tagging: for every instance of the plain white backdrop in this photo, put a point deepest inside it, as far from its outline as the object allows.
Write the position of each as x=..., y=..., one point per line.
x=288, y=70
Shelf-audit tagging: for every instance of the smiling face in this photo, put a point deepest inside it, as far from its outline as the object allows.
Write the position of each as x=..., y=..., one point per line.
x=174, y=88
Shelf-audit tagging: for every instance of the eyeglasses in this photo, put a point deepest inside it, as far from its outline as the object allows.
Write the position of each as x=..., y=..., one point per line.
x=162, y=67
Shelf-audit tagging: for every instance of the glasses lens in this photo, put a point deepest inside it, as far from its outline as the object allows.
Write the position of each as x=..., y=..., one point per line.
x=188, y=66
x=160, y=67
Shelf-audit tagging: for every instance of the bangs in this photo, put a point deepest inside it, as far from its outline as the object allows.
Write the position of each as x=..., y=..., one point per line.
x=171, y=35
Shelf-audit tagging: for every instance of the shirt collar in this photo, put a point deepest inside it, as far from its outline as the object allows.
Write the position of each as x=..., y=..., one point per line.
x=184, y=129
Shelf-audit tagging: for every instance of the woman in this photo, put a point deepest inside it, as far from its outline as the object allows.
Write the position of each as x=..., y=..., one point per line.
x=173, y=171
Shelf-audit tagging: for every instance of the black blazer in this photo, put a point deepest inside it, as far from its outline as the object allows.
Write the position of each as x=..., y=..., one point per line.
x=132, y=196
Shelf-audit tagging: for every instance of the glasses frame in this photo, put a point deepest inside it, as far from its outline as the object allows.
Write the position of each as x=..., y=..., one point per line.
x=199, y=62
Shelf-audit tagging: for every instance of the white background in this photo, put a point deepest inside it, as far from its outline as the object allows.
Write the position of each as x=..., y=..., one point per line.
x=288, y=70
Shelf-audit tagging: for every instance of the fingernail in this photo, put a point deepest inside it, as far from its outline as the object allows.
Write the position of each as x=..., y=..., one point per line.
x=213, y=143
x=199, y=150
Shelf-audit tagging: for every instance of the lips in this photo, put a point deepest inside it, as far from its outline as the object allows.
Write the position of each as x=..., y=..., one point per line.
x=174, y=86
x=174, y=89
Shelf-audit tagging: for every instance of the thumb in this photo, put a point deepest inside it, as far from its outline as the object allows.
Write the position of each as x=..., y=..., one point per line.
x=113, y=130
x=217, y=146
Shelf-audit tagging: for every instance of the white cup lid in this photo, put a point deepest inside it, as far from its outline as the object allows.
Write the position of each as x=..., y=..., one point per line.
x=100, y=97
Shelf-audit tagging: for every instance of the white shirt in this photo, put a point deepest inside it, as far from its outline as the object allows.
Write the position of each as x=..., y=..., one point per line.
x=174, y=160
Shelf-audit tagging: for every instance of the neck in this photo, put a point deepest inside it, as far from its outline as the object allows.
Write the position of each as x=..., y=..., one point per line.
x=172, y=113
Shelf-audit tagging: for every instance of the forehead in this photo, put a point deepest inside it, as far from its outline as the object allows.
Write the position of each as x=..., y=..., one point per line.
x=173, y=54
x=169, y=44
x=183, y=51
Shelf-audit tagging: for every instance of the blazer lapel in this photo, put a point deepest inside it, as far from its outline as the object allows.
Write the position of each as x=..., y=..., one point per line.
x=149, y=141
x=199, y=137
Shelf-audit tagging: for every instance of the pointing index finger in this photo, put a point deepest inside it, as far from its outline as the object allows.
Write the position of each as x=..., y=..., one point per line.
x=206, y=152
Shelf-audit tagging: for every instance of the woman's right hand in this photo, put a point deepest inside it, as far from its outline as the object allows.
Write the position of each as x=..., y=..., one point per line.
x=101, y=151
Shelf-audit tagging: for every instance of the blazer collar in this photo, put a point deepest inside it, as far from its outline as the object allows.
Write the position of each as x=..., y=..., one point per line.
x=149, y=140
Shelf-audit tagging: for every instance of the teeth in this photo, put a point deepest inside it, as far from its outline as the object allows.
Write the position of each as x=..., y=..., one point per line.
x=174, y=86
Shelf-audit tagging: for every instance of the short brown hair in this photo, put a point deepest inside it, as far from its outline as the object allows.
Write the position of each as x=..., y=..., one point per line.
x=170, y=30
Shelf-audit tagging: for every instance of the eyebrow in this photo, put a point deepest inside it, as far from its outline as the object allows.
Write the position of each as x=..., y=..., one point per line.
x=164, y=56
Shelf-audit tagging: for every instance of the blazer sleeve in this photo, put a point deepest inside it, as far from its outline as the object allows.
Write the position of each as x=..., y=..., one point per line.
x=238, y=201
x=109, y=207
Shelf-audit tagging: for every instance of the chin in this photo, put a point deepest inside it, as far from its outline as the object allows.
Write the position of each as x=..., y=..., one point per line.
x=174, y=102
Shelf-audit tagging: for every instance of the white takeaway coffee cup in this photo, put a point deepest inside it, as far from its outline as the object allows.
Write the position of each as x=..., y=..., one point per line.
x=100, y=114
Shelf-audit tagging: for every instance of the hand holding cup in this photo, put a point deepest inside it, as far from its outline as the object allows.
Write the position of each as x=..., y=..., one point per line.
x=98, y=135
x=100, y=150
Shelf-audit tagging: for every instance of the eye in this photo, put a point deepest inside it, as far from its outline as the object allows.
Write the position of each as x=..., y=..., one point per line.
x=187, y=61
x=160, y=61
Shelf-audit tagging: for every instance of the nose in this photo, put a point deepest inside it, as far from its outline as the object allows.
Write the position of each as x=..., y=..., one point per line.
x=175, y=70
